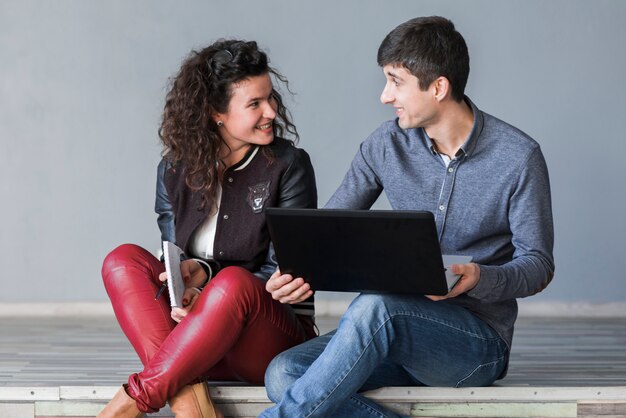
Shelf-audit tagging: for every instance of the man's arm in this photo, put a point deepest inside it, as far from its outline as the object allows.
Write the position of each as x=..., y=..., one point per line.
x=361, y=185
x=530, y=217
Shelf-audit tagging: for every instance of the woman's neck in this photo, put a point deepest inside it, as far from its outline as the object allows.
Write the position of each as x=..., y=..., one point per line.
x=230, y=157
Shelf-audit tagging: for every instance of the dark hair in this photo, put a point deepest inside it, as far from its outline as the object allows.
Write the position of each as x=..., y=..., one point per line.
x=428, y=47
x=203, y=87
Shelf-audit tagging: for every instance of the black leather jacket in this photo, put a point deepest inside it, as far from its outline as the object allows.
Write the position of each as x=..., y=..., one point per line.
x=278, y=175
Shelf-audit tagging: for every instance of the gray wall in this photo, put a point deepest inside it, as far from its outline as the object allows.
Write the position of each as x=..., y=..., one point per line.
x=82, y=85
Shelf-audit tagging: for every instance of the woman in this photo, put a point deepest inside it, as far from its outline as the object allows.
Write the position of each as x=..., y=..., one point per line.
x=224, y=162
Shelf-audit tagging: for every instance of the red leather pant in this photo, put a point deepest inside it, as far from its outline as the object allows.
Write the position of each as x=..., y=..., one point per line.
x=232, y=332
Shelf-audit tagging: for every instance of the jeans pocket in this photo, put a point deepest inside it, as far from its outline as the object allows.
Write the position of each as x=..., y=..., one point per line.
x=483, y=374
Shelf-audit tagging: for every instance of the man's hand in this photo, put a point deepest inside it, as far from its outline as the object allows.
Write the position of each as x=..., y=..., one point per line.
x=285, y=289
x=470, y=275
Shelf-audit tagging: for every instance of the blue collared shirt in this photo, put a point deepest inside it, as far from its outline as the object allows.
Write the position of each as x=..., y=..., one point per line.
x=492, y=202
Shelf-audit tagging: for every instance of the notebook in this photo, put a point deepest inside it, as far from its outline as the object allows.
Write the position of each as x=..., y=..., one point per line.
x=175, y=284
x=379, y=251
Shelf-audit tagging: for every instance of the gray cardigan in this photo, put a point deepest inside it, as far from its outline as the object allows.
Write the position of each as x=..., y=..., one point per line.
x=491, y=202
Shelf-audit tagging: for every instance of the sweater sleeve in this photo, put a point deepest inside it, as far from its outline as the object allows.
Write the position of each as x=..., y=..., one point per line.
x=361, y=185
x=530, y=217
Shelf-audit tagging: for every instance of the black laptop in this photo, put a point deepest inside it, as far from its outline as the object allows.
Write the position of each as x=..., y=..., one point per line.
x=379, y=251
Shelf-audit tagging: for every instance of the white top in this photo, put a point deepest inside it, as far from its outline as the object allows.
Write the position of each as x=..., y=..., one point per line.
x=203, y=237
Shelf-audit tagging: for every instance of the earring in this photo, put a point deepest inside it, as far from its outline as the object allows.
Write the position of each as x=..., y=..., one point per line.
x=220, y=123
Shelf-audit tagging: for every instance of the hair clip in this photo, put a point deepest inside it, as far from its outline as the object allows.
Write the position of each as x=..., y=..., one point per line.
x=222, y=56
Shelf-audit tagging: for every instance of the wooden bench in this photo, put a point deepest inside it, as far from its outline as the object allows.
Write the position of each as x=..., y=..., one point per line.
x=249, y=401
x=70, y=366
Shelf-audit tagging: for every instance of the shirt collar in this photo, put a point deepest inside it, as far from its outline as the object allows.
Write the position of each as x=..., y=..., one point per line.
x=470, y=145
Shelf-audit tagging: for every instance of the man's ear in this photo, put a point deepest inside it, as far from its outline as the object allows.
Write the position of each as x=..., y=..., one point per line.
x=442, y=88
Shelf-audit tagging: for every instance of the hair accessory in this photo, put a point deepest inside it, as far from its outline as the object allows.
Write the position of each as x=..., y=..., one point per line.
x=221, y=57
x=220, y=123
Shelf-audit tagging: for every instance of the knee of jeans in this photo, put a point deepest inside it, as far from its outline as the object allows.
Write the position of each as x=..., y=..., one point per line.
x=366, y=307
x=119, y=257
x=278, y=377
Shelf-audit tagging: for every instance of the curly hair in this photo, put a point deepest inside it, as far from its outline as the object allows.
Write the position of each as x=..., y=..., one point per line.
x=202, y=88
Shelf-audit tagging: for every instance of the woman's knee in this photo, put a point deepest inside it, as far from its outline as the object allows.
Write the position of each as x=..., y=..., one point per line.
x=120, y=256
x=123, y=256
x=235, y=280
x=234, y=289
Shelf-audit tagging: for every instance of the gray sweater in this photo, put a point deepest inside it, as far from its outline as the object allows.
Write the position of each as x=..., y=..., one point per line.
x=491, y=202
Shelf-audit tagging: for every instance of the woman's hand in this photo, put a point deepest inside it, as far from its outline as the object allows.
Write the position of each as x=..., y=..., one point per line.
x=193, y=274
x=193, y=277
x=285, y=289
x=189, y=299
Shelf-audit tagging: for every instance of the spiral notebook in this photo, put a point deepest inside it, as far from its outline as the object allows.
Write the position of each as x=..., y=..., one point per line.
x=175, y=284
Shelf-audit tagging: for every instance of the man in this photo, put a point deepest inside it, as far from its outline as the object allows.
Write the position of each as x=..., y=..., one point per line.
x=487, y=184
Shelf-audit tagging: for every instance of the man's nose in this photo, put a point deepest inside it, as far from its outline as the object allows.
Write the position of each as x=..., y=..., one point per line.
x=386, y=97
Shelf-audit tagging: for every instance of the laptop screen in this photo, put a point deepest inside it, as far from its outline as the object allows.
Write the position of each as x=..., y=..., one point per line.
x=359, y=250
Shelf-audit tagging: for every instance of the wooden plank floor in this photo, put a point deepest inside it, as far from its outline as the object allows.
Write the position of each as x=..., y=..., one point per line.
x=65, y=366
x=61, y=351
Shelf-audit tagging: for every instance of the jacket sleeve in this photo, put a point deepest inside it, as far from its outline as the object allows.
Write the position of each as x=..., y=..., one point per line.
x=163, y=206
x=297, y=190
x=297, y=185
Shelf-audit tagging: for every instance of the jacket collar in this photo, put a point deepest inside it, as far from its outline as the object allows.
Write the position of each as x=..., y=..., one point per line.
x=246, y=159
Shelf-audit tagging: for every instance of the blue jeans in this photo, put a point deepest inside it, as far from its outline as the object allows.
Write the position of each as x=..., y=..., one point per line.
x=383, y=340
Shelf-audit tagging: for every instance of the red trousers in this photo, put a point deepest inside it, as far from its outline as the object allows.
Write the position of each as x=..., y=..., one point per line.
x=232, y=332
